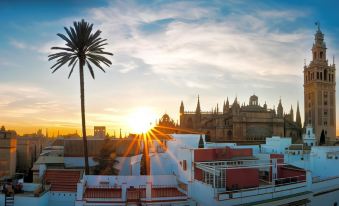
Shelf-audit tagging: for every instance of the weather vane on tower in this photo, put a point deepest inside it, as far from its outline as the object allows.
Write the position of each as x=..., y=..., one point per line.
x=317, y=23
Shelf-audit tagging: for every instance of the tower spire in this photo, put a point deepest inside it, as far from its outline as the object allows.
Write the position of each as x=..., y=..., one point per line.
x=182, y=108
x=319, y=46
x=317, y=23
x=280, y=110
x=291, y=114
x=298, y=118
x=198, y=110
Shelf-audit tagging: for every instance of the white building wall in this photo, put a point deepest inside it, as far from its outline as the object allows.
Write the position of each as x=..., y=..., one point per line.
x=2, y=199
x=135, y=165
x=78, y=162
x=186, y=140
x=136, y=181
x=219, y=145
x=61, y=198
x=202, y=193
x=325, y=192
x=21, y=200
x=323, y=163
x=185, y=155
x=276, y=144
x=162, y=164
x=298, y=160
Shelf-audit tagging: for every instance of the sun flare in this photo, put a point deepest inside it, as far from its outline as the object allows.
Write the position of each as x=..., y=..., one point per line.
x=141, y=120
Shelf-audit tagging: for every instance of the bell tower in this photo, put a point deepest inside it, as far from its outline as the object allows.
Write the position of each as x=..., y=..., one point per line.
x=319, y=91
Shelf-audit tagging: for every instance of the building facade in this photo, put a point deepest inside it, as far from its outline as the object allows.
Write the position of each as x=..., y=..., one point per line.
x=237, y=122
x=319, y=91
x=7, y=153
x=100, y=131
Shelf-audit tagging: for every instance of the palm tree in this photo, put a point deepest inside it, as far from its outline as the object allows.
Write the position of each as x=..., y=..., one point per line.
x=84, y=47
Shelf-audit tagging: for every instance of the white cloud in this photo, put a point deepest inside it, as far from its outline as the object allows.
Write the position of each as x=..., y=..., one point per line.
x=239, y=43
x=17, y=44
x=186, y=48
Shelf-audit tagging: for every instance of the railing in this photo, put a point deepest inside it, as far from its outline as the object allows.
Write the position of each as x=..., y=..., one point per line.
x=282, y=189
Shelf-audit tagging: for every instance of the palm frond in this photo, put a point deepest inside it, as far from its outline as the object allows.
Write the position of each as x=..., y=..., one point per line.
x=100, y=58
x=96, y=64
x=70, y=43
x=63, y=48
x=70, y=73
x=90, y=69
x=81, y=42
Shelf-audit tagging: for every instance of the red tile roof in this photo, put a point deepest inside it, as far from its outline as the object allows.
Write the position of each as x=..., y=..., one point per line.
x=63, y=180
x=135, y=194
x=166, y=192
x=102, y=193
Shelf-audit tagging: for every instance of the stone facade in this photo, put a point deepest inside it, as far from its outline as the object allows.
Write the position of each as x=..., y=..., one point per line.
x=250, y=122
x=319, y=91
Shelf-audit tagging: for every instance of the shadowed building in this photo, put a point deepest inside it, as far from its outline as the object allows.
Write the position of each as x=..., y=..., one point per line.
x=100, y=131
x=7, y=153
x=319, y=91
x=237, y=122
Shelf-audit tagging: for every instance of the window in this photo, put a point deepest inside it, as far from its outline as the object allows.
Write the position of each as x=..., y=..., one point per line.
x=184, y=166
x=208, y=178
x=321, y=55
x=325, y=103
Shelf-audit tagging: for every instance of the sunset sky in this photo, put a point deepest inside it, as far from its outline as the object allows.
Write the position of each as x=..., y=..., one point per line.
x=164, y=52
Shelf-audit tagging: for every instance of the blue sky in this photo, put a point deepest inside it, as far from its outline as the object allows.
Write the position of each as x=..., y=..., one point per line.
x=165, y=52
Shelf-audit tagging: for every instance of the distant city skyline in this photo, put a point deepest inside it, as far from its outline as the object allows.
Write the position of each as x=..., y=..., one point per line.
x=165, y=52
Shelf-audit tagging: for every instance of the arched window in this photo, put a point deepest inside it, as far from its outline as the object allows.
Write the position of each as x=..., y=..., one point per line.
x=321, y=55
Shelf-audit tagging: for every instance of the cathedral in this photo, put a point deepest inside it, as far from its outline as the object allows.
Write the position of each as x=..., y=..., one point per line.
x=253, y=122
x=236, y=122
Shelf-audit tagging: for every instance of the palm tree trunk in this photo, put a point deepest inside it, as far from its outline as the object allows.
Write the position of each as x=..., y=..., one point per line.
x=83, y=119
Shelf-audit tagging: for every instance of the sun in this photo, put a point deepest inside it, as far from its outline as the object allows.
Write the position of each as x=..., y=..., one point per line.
x=141, y=120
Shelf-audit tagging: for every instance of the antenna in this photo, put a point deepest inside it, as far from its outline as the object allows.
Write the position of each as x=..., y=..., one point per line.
x=333, y=59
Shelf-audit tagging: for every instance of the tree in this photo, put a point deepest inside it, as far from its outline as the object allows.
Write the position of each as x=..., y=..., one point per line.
x=201, y=142
x=83, y=47
x=207, y=137
x=322, y=138
x=145, y=160
x=106, y=160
